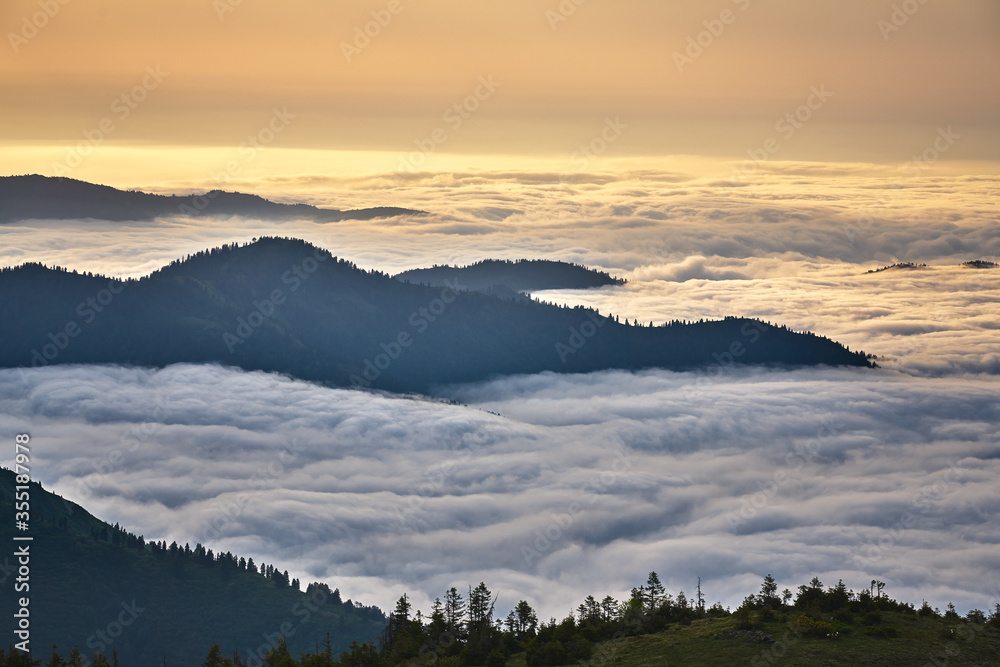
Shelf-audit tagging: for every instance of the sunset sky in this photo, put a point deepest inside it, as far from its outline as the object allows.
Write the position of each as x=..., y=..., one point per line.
x=563, y=73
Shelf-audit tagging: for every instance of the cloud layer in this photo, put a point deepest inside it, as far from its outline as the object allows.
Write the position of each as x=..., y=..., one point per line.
x=584, y=484
x=581, y=484
x=621, y=220
x=786, y=242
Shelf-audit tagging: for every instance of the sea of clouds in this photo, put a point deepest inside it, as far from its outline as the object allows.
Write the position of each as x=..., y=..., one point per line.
x=580, y=484
x=744, y=223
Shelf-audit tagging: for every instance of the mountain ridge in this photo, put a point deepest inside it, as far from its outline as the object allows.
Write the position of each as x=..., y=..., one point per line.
x=283, y=305
x=34, y=196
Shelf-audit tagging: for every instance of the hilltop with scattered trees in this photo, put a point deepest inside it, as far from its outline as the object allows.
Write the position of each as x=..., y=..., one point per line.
x=910, y=266
x=811, y=626
x=980, y=264
x=899, y=266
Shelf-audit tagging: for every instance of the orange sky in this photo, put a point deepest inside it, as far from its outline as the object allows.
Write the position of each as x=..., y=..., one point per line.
x=232, y=62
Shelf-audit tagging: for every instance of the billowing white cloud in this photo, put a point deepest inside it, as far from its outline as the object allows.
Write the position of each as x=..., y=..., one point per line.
x=932, y=321
x=790, y=247
x=695, y=267
x=621, y=221
x=584, y=484
x=727, y=475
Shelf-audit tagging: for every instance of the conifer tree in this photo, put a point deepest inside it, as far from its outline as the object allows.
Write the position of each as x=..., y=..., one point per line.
x=214, y=657
x=454, y=611
x=654, y=591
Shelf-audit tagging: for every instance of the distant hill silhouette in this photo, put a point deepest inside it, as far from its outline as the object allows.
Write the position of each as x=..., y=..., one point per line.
x=42, y=197
x=507, y=278
x=910, y=266
x=286, y=306
x=88, y=579
x=899, y=266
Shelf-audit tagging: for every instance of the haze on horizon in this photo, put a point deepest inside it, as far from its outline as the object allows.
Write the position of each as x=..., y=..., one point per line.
x=531, y=79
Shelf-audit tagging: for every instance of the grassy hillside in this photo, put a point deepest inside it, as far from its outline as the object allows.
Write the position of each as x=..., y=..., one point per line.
x=911, y=640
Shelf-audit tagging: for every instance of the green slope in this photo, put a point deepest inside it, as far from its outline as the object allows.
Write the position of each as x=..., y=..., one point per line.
x=715, y=641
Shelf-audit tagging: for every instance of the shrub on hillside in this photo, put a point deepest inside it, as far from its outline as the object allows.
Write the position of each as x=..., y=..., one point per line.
x=810, y=627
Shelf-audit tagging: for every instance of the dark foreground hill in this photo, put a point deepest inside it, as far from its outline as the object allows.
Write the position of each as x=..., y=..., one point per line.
x=41, y=197
x=98, y=587
x=525, y=275
x=283, y=305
